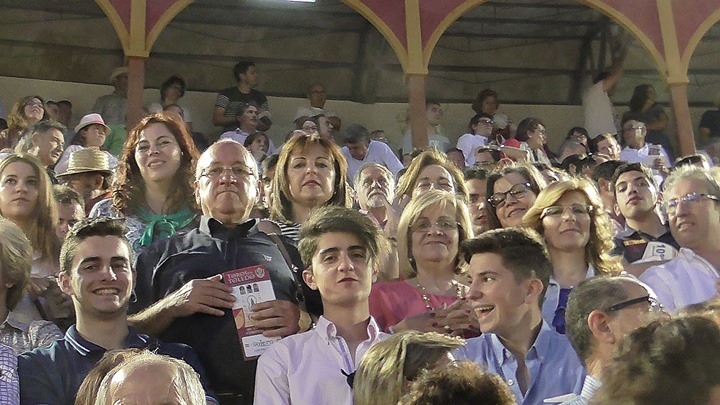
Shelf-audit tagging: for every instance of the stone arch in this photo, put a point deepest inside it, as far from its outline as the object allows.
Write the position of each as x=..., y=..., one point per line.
x=697, y=36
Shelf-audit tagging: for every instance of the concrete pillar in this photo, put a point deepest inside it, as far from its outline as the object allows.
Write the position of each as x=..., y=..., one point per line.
x=136, y=86
x=686, y=138
x=416, y=99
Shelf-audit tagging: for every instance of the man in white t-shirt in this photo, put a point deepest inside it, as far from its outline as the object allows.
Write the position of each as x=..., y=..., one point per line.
x=479, y=130
x=599, y=114
x=433, y=115
x=359, y=150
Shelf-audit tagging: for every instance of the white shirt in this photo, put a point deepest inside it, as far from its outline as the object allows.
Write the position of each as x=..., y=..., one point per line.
x=377, y=152
x=240, y=136
x=642, y=156
x=437, y=141
x=307, y=368
x=599, y=114
x=469, y=143
x=684, y=280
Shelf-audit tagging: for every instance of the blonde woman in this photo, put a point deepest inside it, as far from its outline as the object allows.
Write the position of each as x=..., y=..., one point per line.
x=429, y=299
x=431, y=170
x=570, y=216
x=389, y=367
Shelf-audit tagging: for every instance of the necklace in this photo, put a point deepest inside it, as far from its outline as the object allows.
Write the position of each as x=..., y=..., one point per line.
x=426, y=298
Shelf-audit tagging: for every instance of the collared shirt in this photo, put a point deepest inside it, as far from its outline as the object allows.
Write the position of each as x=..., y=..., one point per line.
x=22, y=337
x=469, y=144
x=684, y=280
x=552, y=363
x=642, y=156
x=311, y=367
x=53, y=375
x=377, y=152
x=552, y=296
x=9, y=380
x=205, y=251
x=590, y=387
x=633, y=244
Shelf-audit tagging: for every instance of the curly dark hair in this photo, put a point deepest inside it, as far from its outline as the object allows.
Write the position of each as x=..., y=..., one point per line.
x=129, y=187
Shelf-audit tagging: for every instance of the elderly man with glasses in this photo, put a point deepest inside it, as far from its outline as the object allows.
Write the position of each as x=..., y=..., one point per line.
x=601, y=311
x=692, y=203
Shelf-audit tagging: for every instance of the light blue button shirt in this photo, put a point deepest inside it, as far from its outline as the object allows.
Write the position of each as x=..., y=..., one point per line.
x=553, y=365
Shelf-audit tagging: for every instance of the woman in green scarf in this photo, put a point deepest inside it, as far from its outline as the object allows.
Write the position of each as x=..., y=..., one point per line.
x=153, y=184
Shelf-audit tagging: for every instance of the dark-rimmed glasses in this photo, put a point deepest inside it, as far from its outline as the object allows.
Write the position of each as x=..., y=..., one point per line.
x=517, y=191
x=655, y=305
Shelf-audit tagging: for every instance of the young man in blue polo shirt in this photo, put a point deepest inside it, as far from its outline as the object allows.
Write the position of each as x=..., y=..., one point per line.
x=509, y=271
x=95, y=270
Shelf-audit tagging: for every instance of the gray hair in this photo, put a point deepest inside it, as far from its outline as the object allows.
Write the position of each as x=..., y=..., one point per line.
x=710, y=176
x=25, y=145
x=388, y=174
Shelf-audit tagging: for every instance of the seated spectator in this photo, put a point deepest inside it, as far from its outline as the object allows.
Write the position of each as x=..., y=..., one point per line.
x=551, y=174
x=684, y=367
x=152, y=379
x=710, y=122
x=26, y=199
x=179, y=290
x=311, y=172
x=605, y=144
x=88, y=173
x=88, y=390
x=463, y=383
x=692, y=202
x=342, y=250
x=257, y=144
x=578, y=235
x=435, y=139
x=511, y=191
x=15, y=264
x=431, y=170
x=390, y=366
x=600, y=312
x=644, y=108
x=90, y=133
x=479, y=131
x=379, y=135
x=602, y=176
x=171, y=91
x=645, y=238
x=429, y=298
x=96, y=272
x=570, y=147
x=487, y=157
x=64, y=117
x=359, y=150
x=70, y=208
x=579, y=135
x=25, y=112
x=9, y=384
x=509, y=269
x=487, y=102
x=153, y=189
x=476, y=183
x=43, y=140
x=247, y=123
x=266, y=191
x=457, y=157
x=580, y=165
x=113, y=109
x=375, y=188
x=316, y=95
x=530, y=136
x=637, y=150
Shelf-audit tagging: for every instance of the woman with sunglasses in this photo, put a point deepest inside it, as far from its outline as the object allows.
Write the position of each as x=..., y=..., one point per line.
x=511, y=192
x=429, y=299
x=570, y=216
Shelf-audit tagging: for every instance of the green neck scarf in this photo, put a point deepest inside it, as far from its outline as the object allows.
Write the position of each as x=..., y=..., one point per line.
x=163, y=226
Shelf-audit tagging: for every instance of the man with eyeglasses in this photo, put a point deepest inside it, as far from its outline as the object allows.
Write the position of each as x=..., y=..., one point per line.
x=600, y=312
x=645, y=238
x=179, y=289
x=636, y=150
x=479, y=131
x=692, y=202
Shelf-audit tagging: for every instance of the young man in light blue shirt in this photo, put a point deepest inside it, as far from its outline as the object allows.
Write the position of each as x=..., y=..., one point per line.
x=509, y=271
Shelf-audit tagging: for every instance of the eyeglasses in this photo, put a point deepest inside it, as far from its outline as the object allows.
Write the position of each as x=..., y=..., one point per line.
x=33, y=104
x=238, y=172
x=689, y=198
x=517, y=191
x=443, y=225
x=575, y=209
x=442, y=184
x=655, y=305
x=486, y=122
x=634, y=127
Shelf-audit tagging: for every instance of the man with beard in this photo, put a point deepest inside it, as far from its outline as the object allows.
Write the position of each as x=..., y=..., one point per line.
x=95, y=270
x=375, y=188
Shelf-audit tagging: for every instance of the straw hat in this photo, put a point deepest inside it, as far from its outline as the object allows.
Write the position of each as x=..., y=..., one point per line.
x=87, y=160
x=89, y=120
x=117, y=72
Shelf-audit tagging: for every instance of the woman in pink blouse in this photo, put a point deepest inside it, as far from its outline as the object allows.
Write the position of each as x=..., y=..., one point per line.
x=429, y=298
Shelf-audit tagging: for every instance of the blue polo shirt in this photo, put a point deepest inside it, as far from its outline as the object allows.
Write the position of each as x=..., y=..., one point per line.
x=553, y=365
x=53, y=375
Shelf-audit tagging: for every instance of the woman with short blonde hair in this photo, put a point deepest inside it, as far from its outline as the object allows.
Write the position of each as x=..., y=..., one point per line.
x=577, y=230
x=421, y=176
